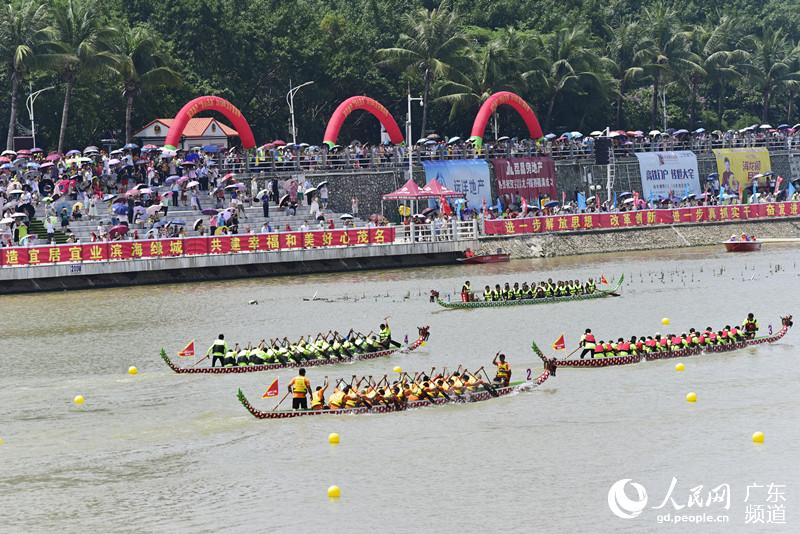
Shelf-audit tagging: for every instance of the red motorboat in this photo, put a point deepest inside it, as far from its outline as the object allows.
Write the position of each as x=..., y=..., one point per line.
x=742, y=244
x=471, y=257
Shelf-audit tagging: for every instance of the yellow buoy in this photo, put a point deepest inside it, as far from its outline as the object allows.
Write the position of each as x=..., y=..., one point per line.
x=78, y=400
x=333, y=438
x=691, y=397
x=424, y=343
x=758, y=437
x=334, y=492
x=398, y=369
x=680, y=367
x=665, y=321
x=132, y=370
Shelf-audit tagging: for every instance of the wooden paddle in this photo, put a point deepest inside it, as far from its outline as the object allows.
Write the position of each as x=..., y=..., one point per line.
x=280, y=401
x=204, y=358
x=492, y=391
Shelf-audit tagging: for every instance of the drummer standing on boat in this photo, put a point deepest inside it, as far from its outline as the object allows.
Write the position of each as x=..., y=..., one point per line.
x=386, y=335
x=300, y=387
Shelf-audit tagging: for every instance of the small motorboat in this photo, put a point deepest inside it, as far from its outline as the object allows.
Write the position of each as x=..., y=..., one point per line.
x=498, y=257
x=742, y=244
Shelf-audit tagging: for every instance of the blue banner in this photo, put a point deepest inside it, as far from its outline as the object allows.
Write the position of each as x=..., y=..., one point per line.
x=469, y=176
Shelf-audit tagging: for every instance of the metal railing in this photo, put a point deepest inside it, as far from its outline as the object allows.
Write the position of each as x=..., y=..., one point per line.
x=380, y=157
x=452, y=230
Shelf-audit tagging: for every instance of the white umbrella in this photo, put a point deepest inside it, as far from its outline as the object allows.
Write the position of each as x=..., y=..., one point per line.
x=628, y=201
x=19, y=214
x=596, y=133
x=193, y=183
x=7, y=220
x=113, y=161
x=153, y=209
x=765, y=127
x=262, y=193
x=345, y=216
x=653, y=133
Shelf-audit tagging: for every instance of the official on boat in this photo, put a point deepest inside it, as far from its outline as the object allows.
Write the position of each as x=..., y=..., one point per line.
x=217, y=351
x=300, y=388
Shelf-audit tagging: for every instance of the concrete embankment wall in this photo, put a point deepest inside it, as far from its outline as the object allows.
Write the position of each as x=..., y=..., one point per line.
x=89, y=275
x=628, y=239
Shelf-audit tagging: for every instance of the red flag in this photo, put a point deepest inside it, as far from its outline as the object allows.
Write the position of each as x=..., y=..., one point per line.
x=603, y=279
x=559, y=343
x=272, y=390
x=188, y=350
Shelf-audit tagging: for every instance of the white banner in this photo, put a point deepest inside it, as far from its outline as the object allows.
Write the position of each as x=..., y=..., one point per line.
x=667, y=174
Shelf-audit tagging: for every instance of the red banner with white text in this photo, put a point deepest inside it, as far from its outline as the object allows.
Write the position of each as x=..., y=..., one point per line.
x=192, y=246
x=629, y=219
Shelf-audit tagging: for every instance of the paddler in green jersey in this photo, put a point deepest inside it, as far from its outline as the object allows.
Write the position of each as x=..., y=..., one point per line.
x=258, y=356
x=243, y=357
x=231, y=355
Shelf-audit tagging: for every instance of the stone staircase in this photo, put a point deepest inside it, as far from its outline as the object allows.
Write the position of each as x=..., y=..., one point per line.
x=82, y=228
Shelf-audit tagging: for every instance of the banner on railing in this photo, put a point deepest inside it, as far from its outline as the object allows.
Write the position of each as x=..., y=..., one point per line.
x=193, y=246
x=628, y=219
x=527, y=177
x=738, y=166
x=468, y=176
x=668, y=174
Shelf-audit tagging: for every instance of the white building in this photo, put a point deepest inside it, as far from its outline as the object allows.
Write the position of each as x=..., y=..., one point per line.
x=198, y=132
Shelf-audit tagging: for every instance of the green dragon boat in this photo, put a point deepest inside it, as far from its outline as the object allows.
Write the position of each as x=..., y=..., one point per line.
x=598, y=294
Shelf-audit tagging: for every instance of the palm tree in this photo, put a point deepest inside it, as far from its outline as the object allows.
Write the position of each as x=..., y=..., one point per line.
x=432, y=44
x=621, y=53
x=83, y=44
x=486, y=69
x=23, y=30
x=568, y=64
x=140, y=66
x=664, y=50
x=720, y=62
x=770, y=67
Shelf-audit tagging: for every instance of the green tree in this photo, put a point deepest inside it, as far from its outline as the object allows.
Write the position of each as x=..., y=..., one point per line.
x=488, y=68
x=23, y=31
x=622, y=63
x=770, y=67
x=432, y=44
x=568, y=65
x=664, y=51
x=140, y=66
x=83, y=44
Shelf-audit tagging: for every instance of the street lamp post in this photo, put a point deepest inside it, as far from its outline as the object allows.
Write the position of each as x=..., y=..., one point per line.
x=290, y=101
x=29, y=104
x=409, y=141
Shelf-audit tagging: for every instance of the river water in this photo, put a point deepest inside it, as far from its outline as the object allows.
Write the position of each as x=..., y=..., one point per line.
x=160, y=452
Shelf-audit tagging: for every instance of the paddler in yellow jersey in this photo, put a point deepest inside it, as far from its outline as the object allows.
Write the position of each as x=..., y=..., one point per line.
x=503, y=375
x=318, y=397
x=300, y=387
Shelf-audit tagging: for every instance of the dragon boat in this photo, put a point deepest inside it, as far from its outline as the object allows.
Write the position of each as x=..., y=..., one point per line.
x=598, y=294
x=466, y=398
x=786, y=324
x=423, y=334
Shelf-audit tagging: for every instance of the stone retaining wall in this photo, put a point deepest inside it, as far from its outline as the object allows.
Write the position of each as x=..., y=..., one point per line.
x=645, y=238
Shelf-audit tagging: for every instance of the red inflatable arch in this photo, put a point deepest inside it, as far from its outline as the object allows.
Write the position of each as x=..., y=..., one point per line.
x=509, y=99
x=367, y=104
x=205, y=103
